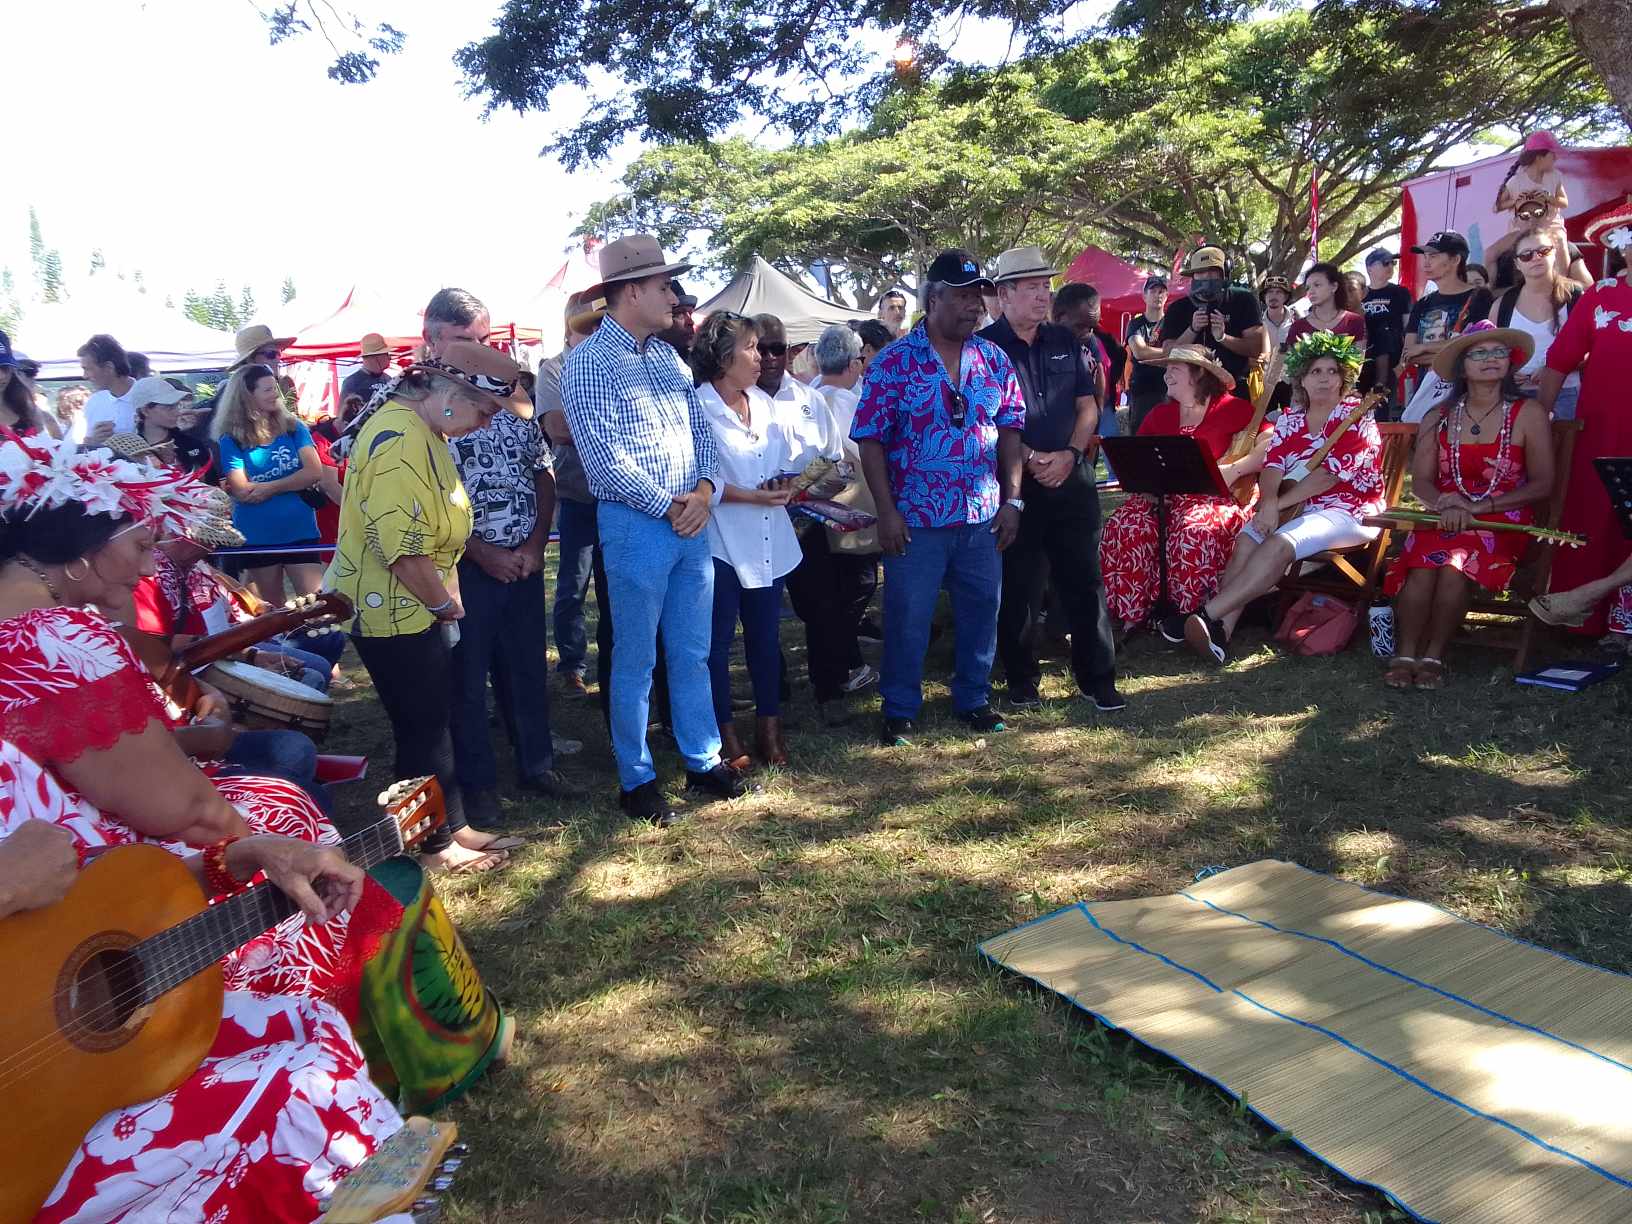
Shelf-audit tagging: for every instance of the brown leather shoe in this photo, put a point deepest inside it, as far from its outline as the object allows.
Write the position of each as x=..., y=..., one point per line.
x=732, y=752
x=768, y=741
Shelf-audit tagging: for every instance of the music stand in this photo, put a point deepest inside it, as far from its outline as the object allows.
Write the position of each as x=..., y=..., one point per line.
x=1617, y=477
x=1163, y=466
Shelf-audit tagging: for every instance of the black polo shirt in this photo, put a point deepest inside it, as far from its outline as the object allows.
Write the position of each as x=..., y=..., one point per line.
x=1053, y=372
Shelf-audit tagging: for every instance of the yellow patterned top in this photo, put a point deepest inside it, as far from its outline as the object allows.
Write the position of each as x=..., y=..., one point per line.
x=403, y=498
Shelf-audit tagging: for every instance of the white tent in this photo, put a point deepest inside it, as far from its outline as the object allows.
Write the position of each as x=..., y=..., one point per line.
x=52, y=333
x=761, y=289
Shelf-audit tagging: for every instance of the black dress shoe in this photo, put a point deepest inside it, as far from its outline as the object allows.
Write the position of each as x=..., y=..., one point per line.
x=553, y=784
x=646, y=803
x=722, y=782
x=985, y=719
x=897, y=732
x=1106, y=699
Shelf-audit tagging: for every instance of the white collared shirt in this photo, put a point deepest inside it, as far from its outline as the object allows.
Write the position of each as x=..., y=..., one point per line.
x=808, y=405
x=758, y=542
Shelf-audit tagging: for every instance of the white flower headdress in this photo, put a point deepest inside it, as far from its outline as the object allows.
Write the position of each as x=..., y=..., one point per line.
x=44, y=473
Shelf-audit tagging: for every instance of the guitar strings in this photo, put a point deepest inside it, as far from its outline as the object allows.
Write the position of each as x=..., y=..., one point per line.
x=10, y=1071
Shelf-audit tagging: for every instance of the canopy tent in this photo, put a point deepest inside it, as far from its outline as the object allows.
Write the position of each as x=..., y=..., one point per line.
x=1461, y=199
x=546, y=310
x=761, y=289
x=1121, y=286
x=52, y=333
x=338, y=335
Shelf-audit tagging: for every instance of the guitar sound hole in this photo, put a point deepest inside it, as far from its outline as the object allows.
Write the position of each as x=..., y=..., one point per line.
x=106, y=992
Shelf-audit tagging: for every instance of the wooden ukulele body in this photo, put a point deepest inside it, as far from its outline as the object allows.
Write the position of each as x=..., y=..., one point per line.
x=67, y=1054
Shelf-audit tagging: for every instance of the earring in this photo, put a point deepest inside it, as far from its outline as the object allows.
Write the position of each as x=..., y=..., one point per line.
x=447, y=412
x=79, y=577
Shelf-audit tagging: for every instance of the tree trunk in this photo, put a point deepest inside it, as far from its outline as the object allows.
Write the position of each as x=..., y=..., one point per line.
x=1603, y=31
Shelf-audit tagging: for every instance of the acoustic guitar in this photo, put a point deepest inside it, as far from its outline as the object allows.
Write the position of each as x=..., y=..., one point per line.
x=116, y=989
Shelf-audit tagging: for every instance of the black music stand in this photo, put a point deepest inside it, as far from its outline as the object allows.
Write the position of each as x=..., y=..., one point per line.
x=1163, y=466
x=1617, y=477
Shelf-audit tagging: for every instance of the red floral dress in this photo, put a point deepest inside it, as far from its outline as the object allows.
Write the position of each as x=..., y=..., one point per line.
x=1356, y=459
x=1201, y=531
x=1486, y=557
x=280, y=1109
x=69, y=684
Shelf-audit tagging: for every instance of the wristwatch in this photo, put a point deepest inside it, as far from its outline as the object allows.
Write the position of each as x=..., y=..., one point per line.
x=1017, y=504
x=1076, y=454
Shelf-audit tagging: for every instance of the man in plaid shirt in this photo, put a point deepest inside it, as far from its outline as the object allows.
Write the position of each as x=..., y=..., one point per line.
x=652, y=468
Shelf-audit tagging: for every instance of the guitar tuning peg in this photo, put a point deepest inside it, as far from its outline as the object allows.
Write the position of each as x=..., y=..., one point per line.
x=451, y=1165
x=440, y=1184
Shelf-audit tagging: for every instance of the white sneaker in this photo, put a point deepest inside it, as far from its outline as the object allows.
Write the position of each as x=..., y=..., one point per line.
x=860, y=678
x=564, y=746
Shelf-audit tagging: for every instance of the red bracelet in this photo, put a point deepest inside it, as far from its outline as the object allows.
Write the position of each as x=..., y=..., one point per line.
x=221, y=882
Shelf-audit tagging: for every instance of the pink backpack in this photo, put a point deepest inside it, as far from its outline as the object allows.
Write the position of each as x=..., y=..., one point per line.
x=1318, y=625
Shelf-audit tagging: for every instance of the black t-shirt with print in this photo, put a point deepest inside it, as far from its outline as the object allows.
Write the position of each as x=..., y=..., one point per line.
x=1146, y=378
x=1241, y=312
x=1439, y=316
x=1386, y=311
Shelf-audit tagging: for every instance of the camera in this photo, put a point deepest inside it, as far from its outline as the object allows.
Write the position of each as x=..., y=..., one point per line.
x=1206, y=293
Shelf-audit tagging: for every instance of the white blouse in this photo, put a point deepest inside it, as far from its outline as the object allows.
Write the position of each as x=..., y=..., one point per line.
x=758, y=542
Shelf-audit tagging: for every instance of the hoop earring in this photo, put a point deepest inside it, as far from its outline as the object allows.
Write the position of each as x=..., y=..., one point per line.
x=82, y=575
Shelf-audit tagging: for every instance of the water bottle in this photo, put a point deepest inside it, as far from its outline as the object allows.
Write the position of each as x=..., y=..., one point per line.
x=1382, y=630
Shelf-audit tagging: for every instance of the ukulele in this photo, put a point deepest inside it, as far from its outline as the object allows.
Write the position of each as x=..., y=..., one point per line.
x=117, y=988
x=1303, y=470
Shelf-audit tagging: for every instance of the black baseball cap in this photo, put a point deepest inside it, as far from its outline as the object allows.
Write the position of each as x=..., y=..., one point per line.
x=959, y=268
x=1152, y=281
x=1446, y=242
x=687, y=301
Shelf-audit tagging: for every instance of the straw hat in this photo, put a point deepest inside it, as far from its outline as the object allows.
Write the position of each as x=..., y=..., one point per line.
x=1482, y=332
x=255, y=337
x=129, y=446
x=214, y=532
x=1021, y=263
x=373, y=345
x=1193, y=354
x=478, y=368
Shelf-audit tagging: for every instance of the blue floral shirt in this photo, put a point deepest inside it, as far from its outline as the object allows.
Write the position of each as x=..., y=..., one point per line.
x=941, y=475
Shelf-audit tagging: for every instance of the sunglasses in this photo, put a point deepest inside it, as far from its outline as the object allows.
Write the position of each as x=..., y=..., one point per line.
x=266, y=354
x=1486, y=352
x=775, y=348
x=1533, y=254
x=958, y=405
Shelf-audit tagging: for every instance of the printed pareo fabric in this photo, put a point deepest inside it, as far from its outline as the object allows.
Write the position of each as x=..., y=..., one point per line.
x=941, y=475
x=1356, y=460
x=1201, y=534
x=1620, y=611
x=280, y=1109
x=1485, y=557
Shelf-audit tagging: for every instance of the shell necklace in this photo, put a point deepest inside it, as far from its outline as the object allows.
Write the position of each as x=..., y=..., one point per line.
x=1504, y=436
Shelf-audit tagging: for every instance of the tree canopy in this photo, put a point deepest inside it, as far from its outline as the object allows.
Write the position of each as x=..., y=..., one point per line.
x=1097, y=143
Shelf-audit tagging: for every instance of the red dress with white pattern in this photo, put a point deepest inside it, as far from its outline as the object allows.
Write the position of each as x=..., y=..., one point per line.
x=279, y=1110
x=1201, y=531
x=1356, y=459
x=70, y=684
x=1486, y=557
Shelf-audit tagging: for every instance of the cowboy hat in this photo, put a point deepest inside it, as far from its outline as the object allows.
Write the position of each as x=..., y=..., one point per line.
x=585, y=311
x=1021, y=263
x=373, y=345
x=475, y=367
x=1193, y=354
x=250, y=340
x=1479, y=333
x=635, y=257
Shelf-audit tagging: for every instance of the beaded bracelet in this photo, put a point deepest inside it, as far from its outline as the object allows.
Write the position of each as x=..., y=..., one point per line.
x=221, y=881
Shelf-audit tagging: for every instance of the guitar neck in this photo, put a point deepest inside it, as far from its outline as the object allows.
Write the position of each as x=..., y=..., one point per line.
x=174, y=955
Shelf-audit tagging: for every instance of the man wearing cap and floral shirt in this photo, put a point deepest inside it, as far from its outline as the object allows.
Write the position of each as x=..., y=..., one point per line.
x=1060, y=522
x=652, y=466
x=1224, y=318
x=942, y=455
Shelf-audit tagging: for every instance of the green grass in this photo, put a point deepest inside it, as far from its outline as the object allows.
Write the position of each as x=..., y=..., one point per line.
x=775, y=1014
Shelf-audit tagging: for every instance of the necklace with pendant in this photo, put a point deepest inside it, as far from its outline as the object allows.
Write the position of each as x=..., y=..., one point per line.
x=1473, y=425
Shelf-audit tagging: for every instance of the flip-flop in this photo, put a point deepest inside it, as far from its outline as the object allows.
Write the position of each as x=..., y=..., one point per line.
x=489, y=861
x=503, y=843
x=1430, y=674
x=1401, y=673
x=1546, y=609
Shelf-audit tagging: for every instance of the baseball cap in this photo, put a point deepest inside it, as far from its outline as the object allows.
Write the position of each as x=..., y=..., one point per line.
x=1204, y=258
x=1446, y=242
x=1380, y=255
x=1152, y=282
x=958, y=268
x=687, y=301
x=155, y=390
x=1542, y=142
x=7, y=359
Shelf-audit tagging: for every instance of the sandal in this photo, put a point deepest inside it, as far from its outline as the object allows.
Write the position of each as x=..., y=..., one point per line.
x=1557, y=610
x=1401, y=673
x=490, y=861
x=1430, y=674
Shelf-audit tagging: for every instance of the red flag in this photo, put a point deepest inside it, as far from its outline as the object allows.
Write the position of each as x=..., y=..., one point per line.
x=1314, y=215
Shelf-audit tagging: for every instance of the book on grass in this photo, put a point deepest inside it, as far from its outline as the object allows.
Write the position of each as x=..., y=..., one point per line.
x=1571, y=677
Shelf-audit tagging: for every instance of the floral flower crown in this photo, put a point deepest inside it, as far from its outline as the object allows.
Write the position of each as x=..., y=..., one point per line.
x=44, y=473
x=1341, y=349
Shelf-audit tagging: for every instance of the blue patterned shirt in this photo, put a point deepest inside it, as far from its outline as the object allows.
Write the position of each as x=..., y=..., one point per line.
x=636, y=421
x=941, y=475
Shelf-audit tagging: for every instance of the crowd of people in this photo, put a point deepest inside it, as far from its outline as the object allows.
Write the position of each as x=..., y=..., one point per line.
x=700, y=477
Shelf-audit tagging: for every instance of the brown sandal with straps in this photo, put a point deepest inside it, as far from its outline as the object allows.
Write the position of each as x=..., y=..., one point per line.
x=1401, y=673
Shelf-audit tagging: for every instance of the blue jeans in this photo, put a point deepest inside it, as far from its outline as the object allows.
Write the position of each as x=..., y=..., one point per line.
x=1110, y=426
x=576, y=523
x=657, y=580
x=289, y=755
x=760, y=610
x=965, y=560
x=1564, y=405
x=316, y=667
x=500, y=634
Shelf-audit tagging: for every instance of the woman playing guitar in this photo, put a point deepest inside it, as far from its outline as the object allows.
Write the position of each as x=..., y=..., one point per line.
x=1322, y=477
